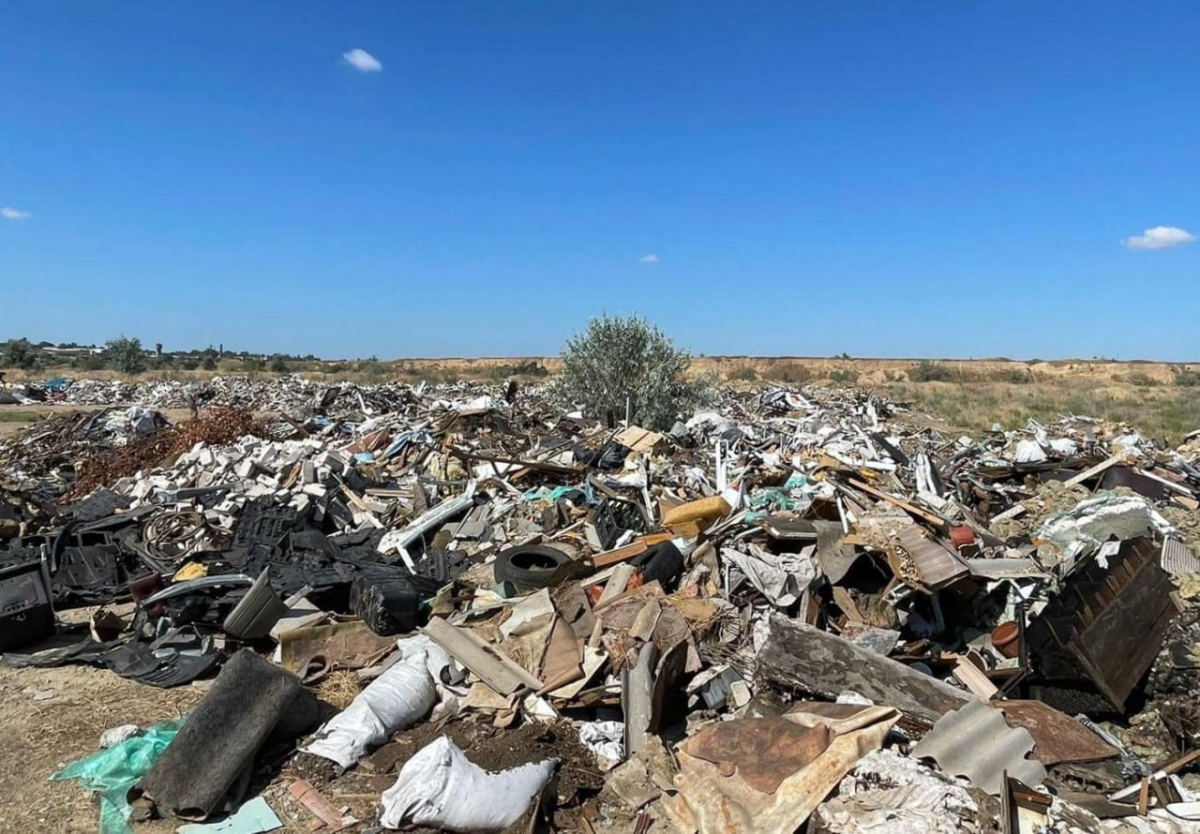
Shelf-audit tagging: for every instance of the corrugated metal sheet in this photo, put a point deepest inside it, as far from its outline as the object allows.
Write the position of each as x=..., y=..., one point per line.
x=1178, y=559
x=976, y=742
x=936, y=565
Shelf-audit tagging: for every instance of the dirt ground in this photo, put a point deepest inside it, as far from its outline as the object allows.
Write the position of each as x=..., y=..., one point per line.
x=41, y=736
x=55, y=716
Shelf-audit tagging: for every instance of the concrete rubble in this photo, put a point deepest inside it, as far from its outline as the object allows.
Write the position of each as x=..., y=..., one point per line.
x=792, y=611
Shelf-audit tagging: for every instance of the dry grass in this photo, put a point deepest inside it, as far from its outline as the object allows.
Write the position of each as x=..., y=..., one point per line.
x=1164, y=412
x=339, y=688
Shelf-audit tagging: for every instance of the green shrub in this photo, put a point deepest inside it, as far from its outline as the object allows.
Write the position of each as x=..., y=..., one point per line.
x=624, y=360
x=125, y=355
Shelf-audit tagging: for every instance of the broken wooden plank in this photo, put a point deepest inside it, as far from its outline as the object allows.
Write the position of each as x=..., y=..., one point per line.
x=801, y=657
x=616, y=586
x=934, y=520
x=1093, y=471
x=492, y=666
x=635, y=548
x=969, y=675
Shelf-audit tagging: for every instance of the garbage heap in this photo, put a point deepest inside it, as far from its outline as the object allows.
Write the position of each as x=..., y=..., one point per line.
x=798, y=608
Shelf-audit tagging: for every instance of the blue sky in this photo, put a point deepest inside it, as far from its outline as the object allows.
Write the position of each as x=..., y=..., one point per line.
x=923, y=178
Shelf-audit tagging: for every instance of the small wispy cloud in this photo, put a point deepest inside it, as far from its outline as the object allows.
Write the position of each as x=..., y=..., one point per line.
x=1160, y=237
x=648, y=258
x=10, y=213
x=362, y=60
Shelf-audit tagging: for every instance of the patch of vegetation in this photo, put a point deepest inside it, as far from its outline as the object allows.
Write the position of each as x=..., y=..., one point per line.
x=624, y=362
x=528, y=369
x=843, y=376
x=744, y=374
x=1141, y=380
x=1165, y=413
x=926, y=371
x=18, y=353
x=18, y=416
x=788, y=372
x=1188, y=379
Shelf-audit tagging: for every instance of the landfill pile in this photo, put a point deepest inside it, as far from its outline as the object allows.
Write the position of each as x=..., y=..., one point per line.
x=286, y=394
x=795, y=610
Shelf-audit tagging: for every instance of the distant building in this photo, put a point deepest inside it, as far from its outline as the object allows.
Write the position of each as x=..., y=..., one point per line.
x=75, y=351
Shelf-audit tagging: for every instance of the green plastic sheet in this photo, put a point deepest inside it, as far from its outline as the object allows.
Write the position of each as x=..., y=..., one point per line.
x=112, y=772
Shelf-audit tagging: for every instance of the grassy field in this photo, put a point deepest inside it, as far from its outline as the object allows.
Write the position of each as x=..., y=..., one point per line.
x=1162, y=412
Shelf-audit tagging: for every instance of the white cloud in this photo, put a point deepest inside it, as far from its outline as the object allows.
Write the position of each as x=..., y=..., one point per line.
x=362, y=60
x=1160, y=237
x=9, y=213
x=649, y=258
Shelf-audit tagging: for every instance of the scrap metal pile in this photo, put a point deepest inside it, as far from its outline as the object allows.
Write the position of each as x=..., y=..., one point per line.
x=794, y=611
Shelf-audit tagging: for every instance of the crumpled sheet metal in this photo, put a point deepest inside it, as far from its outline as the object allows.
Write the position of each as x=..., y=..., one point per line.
x=709, y=800
x=976, y=742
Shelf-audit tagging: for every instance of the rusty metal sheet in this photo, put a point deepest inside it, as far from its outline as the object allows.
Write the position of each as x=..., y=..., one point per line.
x=977, y=743
x=765, y=751
x=1057, y=736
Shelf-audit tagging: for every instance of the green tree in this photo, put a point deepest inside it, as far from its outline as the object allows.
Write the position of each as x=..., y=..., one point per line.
x=279, y=365
x=625, y=359
x=18, y=353
x=125, y=355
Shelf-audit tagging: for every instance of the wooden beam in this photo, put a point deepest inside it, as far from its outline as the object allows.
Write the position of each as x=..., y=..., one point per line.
x=801, y=657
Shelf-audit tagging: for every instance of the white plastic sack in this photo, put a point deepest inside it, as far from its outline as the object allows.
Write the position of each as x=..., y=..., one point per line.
x=442, y=788
x=397, y=699
x=1030, y=452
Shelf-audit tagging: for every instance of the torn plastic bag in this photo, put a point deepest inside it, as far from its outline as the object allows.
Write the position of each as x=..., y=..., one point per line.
x=442, y=788
x=780, y=577
x=207, y=767
x=397, y=699
x=113, y=771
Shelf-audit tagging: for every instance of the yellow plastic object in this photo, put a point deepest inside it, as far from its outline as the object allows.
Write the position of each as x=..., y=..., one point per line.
x=699, y=514
x=192, y=570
